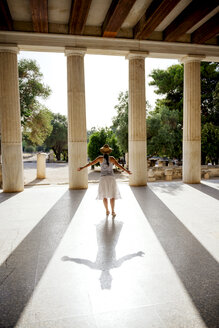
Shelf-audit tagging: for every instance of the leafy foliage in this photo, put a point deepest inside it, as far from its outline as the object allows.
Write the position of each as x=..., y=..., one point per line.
x=35, y=118
x=169, y=84
x=113, y=142
x=31, y=88
x=210, y=92
x=39, y=127
x=57, y=140
x=120, y=121
x=90, y=132
x=210, y=148
x=163, y=133
x=29, y=149
x=98, y=139
x=165, y=123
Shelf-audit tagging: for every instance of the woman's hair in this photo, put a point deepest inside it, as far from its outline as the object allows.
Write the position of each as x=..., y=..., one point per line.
x=106, y=156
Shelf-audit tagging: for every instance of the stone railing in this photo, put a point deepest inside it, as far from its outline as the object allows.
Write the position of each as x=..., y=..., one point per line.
x=175, y=172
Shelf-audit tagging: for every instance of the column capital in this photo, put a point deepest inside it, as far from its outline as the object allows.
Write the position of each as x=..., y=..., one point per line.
x=72, y=51
x=191, y=58
x=5, y=47
x=137, y=55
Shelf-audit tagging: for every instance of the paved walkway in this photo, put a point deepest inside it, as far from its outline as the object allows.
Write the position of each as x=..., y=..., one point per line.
x=57, y=173
x=63, y=264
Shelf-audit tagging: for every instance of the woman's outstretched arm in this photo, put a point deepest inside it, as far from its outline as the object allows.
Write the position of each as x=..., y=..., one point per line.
x=114, y=161
x=97, y=160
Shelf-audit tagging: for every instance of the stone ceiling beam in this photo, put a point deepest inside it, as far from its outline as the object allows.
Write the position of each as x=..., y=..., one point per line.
x=39, y=9
x=207, y=30
x=190, y=16
x=106, y=46
x=115, y=17
x=153, y=16
x=78, y=16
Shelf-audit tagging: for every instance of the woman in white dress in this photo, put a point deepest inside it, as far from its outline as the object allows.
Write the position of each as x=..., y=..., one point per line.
x=107, y=187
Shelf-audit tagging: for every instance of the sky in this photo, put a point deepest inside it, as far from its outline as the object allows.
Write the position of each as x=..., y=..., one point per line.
x=105, y=78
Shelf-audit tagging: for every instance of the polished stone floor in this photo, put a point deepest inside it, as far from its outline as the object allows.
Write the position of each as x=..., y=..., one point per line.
x=63, y=264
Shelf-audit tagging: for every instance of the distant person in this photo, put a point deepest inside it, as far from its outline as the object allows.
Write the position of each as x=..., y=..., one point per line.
x=107, y=186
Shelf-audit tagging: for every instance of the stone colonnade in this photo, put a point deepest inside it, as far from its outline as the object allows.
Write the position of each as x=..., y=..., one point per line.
x=77, y=137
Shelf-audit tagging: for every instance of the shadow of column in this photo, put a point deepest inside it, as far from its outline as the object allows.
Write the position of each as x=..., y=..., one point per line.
x=5, y=196
x=196, y=268
x=107, y=238
x=213, y=192
x=21, y=272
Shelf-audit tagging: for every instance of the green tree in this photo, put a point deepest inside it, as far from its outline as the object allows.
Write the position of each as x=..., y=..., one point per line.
x=39, y=127
x=163, y=133
x=120, y=121
x=57, y=140
x=90, y=132
x=169, y=84
x=210, y=93
x=31, y=88
x=210, y=148
x=35, y=118
x=113, y=142
x=98, y=139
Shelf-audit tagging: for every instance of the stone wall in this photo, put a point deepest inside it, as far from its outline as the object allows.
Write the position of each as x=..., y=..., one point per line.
x=175, y=172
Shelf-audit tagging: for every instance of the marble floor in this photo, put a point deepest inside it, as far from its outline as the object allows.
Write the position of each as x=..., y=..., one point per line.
x=63, y=264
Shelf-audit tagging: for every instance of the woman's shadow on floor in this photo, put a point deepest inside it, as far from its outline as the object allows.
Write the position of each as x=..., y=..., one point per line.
x=107, y=233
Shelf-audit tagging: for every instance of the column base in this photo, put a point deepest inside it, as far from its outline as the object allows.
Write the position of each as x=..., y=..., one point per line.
x=12, y=167
x=191, y=161
x=77, y=156
x=137, y=163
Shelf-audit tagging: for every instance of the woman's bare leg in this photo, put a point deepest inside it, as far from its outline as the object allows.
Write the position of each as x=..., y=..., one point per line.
x=105, y=202
x=112, y=203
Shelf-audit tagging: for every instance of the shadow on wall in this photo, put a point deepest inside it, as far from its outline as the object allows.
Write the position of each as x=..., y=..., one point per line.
x=23, y=269
x=107, y=238
x=196, y=268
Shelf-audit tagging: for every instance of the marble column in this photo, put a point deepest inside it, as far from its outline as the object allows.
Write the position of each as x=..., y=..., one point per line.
x=192, y=120
x=77, y=132
x=137, y=120
x=11, y=139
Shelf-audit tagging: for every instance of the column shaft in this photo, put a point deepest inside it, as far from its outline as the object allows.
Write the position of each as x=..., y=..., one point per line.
x=77, y=133
x=137, y=121
x=192, y=122
x=12, y=159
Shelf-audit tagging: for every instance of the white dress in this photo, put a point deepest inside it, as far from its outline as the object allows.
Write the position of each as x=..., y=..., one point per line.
x=107, y=186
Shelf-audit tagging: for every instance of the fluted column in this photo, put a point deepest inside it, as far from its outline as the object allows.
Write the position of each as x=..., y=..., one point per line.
x=77, y=133
x=192, y=120
x=137, y=120
x=11, y=140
